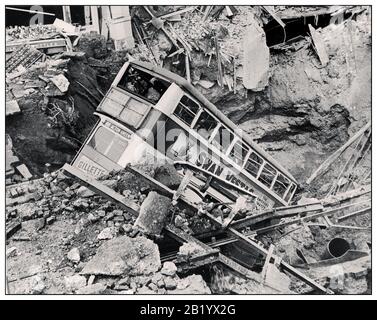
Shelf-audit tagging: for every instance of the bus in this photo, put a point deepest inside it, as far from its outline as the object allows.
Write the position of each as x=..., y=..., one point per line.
x=151, y=115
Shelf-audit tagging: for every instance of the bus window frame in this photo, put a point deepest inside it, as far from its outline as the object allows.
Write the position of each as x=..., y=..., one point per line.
x=197, y=136
x=116, y=134
x=294, y=185
x=241, y=142
x=236, y=139
x=261, y=170
x=285, y=177
x=215, y=131
x=191, y=126
x=209, y=139
x=117, y=81
x=131, y=96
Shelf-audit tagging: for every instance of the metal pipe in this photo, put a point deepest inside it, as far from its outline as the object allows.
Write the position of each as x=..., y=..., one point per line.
x=30, y=11
x=337, y=247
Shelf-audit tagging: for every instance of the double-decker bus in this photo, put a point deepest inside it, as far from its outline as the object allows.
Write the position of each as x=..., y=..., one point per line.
x=153, y=115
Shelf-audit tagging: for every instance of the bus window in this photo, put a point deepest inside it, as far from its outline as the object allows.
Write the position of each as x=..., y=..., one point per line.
x=205, y=125
x=280, y=186
x=290, y=191
x=223, y=138
x=239, y=153
x=134, y=112
x=108, y=143
x=186, y=110
x=143, y=84
x=267, y=175
x=253, y=164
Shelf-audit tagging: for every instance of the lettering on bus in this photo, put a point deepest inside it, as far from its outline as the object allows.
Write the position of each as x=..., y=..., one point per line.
x=90, y=167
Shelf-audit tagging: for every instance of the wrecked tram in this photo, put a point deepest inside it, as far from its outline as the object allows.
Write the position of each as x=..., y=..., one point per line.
x=151, y=114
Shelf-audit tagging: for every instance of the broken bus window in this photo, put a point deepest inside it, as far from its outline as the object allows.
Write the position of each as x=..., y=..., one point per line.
x=280, y=186
x=223, y=138
x=205, y=125
x=253, y=164
x=143, y=84
x=239, y=153
x=267, y=175
x=186, y=110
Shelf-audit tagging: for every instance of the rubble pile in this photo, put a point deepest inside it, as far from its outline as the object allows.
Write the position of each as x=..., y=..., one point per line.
x=35, y=32
x=96, y=239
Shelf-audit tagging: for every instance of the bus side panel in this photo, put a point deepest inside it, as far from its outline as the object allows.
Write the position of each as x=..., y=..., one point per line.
x=93, y=163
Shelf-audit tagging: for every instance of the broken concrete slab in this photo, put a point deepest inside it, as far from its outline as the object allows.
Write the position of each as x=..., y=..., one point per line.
x=169, y=269
x=64, y=26
x=11, y=252
x=277, y=279
x=12, y=108
x=107, y=233
x=24, y=170
x=74, y=255
x=61, y=82
x=75, y=282
x=32, y=226
x=319, y=46
x=193, y=284
x=153, y=213
x=125, y=256
x=84, y=192
x=97, y=288
x=168, y=176
x=189, y=249
x=256, y=59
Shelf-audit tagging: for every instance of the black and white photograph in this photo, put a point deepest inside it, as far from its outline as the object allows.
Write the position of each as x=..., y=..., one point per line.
x=187, y=150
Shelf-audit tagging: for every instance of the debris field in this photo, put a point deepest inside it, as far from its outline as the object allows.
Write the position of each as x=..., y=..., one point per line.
x=296, y=79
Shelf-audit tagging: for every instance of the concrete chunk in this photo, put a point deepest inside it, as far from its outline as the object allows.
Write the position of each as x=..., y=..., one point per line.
x=153, y=213
x=256, y=59
x=124, y=255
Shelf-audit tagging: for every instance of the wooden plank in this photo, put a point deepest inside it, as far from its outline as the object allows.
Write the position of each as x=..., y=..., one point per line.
x=38, y=44
x=67, y=14
x=271, y=11
x=267, y=262
x=219, y=63
x=262, y=251
x=206, y=12
x=304, y=219
x=184, y=183
x=354, y=214
x=187, y=64
x=319, y=45
x=30, y=11
x=95, y=19
x=87, y=15
x=330, y=160
x=106, y=18
x=23, y=169
x=103, y=190
x=183, y=237
x=12, y=228
x=158, y=186
x=284, y=265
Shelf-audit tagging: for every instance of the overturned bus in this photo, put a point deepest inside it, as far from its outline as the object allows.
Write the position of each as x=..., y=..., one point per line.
x=151, y=115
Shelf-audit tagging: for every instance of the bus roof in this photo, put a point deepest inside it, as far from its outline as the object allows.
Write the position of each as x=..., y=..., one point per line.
x=212, y=108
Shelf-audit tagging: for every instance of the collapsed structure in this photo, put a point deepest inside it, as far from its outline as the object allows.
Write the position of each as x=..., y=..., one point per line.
x=164, y=163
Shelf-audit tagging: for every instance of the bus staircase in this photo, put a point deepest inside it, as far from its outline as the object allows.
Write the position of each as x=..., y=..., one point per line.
x=211, y=254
